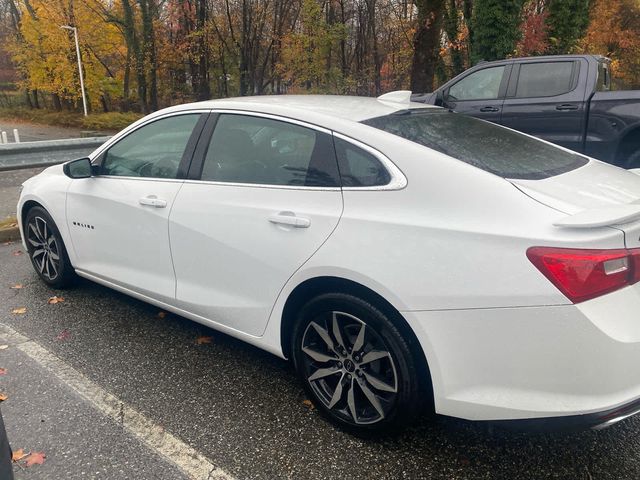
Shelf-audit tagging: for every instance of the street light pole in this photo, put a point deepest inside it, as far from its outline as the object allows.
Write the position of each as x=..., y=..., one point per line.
x=75, y=36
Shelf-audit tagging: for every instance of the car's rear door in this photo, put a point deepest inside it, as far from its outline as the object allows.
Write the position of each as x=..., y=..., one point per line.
x=546, y=98
x=263, y=196
x=119, y=218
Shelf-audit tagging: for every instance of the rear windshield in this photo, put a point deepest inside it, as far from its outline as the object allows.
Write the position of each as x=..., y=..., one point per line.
x=484, y=145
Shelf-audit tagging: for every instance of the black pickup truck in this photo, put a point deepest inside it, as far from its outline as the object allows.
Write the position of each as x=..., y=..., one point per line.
x=565, y=99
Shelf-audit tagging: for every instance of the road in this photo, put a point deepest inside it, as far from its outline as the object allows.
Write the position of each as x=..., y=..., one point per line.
x=10, y=182
x=239, y=407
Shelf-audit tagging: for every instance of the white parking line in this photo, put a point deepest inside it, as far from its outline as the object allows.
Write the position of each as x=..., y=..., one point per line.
x=190, y=461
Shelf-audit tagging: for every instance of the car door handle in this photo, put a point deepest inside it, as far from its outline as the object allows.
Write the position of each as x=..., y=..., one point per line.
x=489, y=109
x=290, y=218
x=153, y=201
x=566, y=106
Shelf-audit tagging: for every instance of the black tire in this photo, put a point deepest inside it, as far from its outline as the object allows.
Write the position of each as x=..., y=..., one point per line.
x=394, y=408
x=41, y=231
x=633, y=160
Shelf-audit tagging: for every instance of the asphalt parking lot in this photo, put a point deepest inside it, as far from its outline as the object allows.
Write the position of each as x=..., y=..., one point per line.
x=240, y=408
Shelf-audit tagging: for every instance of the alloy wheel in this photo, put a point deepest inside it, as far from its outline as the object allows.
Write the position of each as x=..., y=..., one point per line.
x=349, y=368
x=44, y=248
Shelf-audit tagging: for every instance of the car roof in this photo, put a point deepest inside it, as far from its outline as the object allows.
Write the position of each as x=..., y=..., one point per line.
x=318, y=109
x=598, y=58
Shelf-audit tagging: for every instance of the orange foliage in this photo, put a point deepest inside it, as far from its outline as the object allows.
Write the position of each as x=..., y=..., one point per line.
x=614, y=31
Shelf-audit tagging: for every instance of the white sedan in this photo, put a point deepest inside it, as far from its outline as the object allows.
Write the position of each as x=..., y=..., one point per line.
x=401, y=255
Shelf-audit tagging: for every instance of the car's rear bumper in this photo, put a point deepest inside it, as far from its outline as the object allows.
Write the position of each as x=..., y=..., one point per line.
x=564, y=365
x=595, y=421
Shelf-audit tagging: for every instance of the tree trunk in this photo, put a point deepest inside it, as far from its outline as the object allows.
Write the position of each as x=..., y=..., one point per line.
x=426, y=44
x=147, y=11
x=204, y=91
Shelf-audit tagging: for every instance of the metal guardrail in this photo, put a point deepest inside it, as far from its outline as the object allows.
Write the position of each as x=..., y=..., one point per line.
x=14, y=156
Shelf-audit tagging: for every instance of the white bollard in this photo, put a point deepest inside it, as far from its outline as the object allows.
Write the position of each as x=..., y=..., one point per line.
x=4, y=137
x=16, y=136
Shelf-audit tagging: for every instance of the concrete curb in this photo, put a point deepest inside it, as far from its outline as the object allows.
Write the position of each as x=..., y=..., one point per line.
x=11, y=234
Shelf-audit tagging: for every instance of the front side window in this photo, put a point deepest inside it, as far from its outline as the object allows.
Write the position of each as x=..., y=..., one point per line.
x=481, y=85
x=544, y=79
x=484, y=145
x=154, y=150
x=257, y=150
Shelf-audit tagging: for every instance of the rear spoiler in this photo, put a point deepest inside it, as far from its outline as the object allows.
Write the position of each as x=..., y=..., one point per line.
x=601, y=217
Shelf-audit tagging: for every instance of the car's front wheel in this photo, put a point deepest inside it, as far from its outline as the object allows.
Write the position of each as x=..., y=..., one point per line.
x=46, y=249
x=355, y=364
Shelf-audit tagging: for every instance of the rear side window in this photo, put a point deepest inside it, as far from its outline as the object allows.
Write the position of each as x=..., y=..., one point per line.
x=545, y=79
x=257, y=150
x=359, y=168
x=482, y=144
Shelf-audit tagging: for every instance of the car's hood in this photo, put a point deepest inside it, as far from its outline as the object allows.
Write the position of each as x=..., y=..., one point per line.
x=595, y=186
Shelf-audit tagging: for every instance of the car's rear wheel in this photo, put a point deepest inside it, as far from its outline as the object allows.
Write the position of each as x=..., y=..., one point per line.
x=46, y=249
x=355, y=364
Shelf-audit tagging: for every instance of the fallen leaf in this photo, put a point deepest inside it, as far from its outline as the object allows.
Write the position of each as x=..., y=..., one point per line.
x=4, y=347
x=36, y=458
x=19, y=310
x=203, y=340
x=308, y=404
x=18, y=286
x=6, y=244
x=18, y=455
x=17, y=253
x=63, y=335
x=3, y=397
x=53, y=300
x=3, y=371
x=162, y=314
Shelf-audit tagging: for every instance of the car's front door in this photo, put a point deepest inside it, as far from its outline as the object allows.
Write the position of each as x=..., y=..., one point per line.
x=118, y=219
x=546, y=99
x=264, y=195
x=479, y=94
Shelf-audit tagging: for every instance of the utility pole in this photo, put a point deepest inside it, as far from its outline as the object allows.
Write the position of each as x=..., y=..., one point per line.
x=75, y=36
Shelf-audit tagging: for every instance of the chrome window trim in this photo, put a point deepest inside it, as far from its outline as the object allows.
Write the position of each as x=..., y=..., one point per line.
x=143, y=179
x=398, y=180
x=263, y=185
x=272, y=117
x=128, y=130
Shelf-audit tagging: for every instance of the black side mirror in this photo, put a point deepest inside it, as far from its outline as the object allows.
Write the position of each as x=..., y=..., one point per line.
x=80, y=168
x=440, y=96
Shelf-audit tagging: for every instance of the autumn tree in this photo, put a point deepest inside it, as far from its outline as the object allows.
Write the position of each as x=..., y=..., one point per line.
x=46, y=56
x=306, y=63
x=615, y=32
x=534, y=38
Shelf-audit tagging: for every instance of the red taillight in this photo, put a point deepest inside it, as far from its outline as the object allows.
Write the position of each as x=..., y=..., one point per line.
x=585, y=274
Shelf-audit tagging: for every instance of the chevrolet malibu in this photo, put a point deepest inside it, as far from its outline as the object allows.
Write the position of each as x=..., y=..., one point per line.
x=401, y=255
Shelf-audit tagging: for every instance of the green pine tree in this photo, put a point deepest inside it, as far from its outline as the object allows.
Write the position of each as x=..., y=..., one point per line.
x=495, y=28
x=568, y=21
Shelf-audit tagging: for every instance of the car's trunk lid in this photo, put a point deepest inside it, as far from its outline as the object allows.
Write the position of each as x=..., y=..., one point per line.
x=595, y=195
